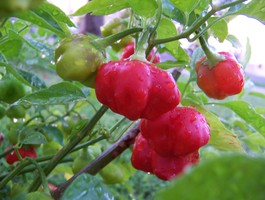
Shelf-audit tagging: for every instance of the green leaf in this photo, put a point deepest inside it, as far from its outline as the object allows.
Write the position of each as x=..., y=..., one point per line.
x=32, y=79
x=171, y=64
x=258, y=94
x=226, y=177
x=234, y=41
x=197, y=54
x=203, y=5
x=221, y=137
x=102, y=7
x=54, y=134
x=87, y=187
x=182, y=55
x=254, y=9
x=143, y=8
x=247, y=54
x=57, y=13
x=169, y=9
x=42, y=19
x=219, y=29
x=14, y=72
x=61, y=93
x=186, y=6
x=256, y=140
x=172, y=12
x=14, y=35
x=247, y=112
x=260, y=110
x=29, y=135
x=165, y=29
x=77, y=128
x=55, y=17
x=10, y=47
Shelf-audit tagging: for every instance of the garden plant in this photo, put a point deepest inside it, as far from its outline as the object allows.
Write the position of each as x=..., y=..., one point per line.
x=151, y=109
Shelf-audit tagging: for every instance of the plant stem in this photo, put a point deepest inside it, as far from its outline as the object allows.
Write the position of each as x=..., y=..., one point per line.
x=29, y=168
x=46, y=158
x=42, y=175
x=117, y=124
x=66, y=149
x=185, y=88
x=12, y=174
x=88, y=143
x=104, y=42
x=6, y=152
x=106, y=157
x=140, y=49
x=192, y=29
x=101, y=161
x=152, y=34
x=212, y=57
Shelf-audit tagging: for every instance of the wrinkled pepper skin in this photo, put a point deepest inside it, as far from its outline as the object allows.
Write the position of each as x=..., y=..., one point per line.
x=224, y=79
x=144, y=158
x=136, y=89
x=142, y=154
x=180, y=131
x=129, y=50
x=167, y=168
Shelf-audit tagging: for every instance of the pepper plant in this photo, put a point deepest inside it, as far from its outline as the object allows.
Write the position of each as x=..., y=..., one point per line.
x=131, y=114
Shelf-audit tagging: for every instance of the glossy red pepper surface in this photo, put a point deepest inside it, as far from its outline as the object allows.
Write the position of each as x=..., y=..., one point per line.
x=136, y=89
x=180, y=131
x=12, y=157
x=224, y=79
x=144, y=158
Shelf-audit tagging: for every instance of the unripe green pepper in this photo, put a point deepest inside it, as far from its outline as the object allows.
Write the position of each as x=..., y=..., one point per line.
x=10, y=6
x=16, y=111
x=13, y=132
x=77, y=59
x=11, y=89
x=113, y=27
x=81, y=161
x=112, y=174
x=51, y=148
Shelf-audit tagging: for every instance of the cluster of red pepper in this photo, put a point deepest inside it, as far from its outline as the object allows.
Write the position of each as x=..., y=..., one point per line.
x=170, y=136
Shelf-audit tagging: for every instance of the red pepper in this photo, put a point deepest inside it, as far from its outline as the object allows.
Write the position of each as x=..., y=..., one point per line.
x=167, y=168
x=52, y=187
x=12, y=157
x=180, y=131
x=136, y=89
x=224, y=79
x=129, y=50
x=144, y=158
x=142, y=154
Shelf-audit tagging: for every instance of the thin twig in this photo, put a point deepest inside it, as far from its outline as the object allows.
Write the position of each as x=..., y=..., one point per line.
x=101, y=161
